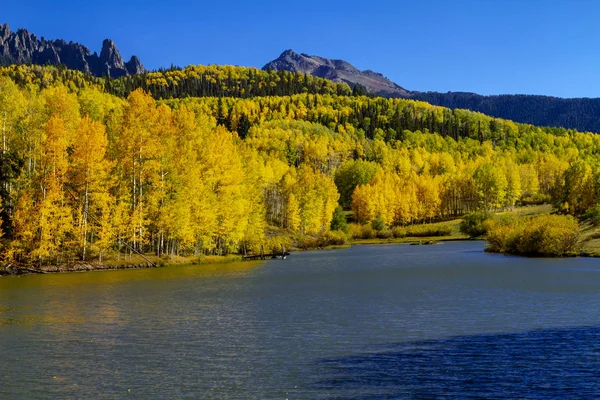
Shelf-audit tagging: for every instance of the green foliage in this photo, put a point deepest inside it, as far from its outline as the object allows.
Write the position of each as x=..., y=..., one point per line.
x=473, y=224
x=351, y=174
x=223, y=81
x=593, y=215
x=544, y=235
x=338, y=222
x=243, y=126
x=378, y=223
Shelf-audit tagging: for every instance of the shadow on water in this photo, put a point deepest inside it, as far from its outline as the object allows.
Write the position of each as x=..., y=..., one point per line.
x=540, y=364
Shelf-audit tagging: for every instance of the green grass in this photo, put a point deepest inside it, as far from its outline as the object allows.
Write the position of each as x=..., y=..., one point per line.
x=528, y=211
x=589, y=241
x=455, y=235
x=455, y=226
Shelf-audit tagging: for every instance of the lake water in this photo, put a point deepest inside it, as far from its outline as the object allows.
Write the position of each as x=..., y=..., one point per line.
x=370, y=322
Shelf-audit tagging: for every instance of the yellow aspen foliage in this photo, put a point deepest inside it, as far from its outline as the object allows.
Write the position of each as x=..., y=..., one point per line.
x=88, y=179
x=192, y=176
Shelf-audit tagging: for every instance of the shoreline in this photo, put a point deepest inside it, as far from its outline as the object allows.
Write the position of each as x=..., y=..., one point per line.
x=82, y=266
x=14, y=270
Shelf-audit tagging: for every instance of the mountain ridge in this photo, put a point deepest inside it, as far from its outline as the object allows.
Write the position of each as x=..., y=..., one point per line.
x=582, y=114
x=23, y=47
x=336, y=71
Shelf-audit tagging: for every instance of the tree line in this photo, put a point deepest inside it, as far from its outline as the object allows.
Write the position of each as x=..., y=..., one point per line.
x=85, y=173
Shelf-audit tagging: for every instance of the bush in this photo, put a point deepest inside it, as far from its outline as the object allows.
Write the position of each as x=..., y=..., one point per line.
x=473, y=224
x=361, y=231
x=378, y=224
x=428, y=230
x=355, y=231
x=329, y=238
x=385, y=234
x=399, y=232
x=333, y=238
x=273, y=245
x=338, y=222
x=544, y=235
x=367, y=231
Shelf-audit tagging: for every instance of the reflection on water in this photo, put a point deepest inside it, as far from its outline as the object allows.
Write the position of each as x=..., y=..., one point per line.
x=319, y=325
x=63, y=309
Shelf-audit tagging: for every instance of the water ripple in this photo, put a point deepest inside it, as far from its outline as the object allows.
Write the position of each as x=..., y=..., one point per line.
x=541, y=364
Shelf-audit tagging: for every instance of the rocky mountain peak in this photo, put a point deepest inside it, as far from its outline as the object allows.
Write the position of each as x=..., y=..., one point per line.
x=337, y=71
x=23, y=47
x=110, y=53
x=134, y=66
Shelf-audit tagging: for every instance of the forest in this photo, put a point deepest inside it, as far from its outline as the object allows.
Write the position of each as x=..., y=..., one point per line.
x=93, y=168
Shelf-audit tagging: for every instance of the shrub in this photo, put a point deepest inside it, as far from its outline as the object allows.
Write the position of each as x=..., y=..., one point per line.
x=367, y=232
x=501, y=235
x=544, y=235
x=399, y=232
x=378, y=224
x=307, y=243
x=428, y=230
x=473, y=224
x=329, y=238
x=355, y=231
x=385, y=234
x=333, y=238
x=273, y=244
x=338, y=222
x=358, y=231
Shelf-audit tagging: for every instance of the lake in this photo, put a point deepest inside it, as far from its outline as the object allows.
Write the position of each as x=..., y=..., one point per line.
x=370, y=322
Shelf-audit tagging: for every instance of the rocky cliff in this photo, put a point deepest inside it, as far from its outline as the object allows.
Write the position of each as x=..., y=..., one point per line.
x=337, y=71
x=23, y=47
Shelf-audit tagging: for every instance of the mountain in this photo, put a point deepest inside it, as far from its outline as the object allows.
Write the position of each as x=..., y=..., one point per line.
x=582, y=114
x=337, y=71
x=23, y=47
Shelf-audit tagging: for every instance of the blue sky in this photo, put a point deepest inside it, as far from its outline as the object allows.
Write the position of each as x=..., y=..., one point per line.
x=484, y=46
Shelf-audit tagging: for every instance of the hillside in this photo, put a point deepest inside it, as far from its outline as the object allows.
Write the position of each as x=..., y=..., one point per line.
x=85, y=172
x=282, y=76
x=582, y=114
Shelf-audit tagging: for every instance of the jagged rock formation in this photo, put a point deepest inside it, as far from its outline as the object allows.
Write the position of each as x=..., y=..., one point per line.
x=337, y=71
x=23, y=47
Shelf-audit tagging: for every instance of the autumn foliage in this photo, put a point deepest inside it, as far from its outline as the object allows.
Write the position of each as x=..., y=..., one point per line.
x=89, y=168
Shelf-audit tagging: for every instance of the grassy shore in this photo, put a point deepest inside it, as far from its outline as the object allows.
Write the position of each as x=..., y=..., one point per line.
x=122, y=262
x=454, y=225
x=590, y=240
x=589, y=245
x=455, y=234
